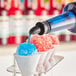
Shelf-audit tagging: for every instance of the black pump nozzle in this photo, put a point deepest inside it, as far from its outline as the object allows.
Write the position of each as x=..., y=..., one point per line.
x=34, y=30
x=38, y=29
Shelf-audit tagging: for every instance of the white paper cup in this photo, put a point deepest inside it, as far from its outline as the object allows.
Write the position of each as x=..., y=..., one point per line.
x=44, y=63
x=27, y=64
x=52, y=60
x=48, y=57
x=40, y=67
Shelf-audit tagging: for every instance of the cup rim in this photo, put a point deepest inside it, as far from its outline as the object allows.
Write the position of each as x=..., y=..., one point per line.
x=26, y=56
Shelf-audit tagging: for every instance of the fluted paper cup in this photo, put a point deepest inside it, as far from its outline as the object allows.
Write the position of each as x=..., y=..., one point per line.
x=44, y=61
x=48, y=58
x=27, y=64
x=52, y=60
x=40, y=67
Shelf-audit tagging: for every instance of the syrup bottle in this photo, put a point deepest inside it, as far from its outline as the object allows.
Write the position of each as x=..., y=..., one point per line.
x=66, y=20
x=4, y=27
x=4, y=23
x=12, y=12
x=18, y=26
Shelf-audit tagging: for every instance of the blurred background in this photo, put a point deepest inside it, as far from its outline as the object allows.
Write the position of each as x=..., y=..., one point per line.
x=18, y=16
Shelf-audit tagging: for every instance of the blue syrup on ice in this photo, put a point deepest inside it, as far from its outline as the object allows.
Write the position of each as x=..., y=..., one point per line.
x=26, y=49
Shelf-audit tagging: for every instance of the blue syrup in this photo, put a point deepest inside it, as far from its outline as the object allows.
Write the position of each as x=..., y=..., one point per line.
x=29, y=38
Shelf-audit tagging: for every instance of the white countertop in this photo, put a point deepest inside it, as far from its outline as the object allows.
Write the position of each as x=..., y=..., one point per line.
x=67, y=67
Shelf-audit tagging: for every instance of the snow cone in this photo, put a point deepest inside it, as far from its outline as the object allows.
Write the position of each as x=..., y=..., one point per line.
x=27, y=58
x=45, y=48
